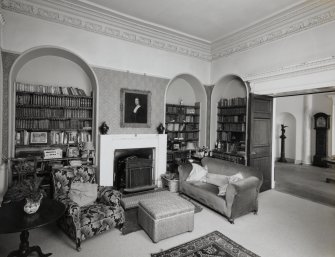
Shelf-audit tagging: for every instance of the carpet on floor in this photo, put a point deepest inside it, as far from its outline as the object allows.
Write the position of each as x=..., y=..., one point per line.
x=212, y=244
x=131, y=224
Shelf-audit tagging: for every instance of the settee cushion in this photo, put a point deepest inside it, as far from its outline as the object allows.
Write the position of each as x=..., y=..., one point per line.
x=198, y=172
x=215, y=179
x=83, y=193
x=230, y=179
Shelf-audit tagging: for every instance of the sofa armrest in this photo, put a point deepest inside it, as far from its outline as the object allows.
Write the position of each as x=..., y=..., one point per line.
x=107, y=195
x=72, y=209
x=242, y=196
x=184, y=171
x=245, y=184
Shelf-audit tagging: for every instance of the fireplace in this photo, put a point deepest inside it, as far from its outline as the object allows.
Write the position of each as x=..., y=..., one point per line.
x=111, y=145
x=133, y=170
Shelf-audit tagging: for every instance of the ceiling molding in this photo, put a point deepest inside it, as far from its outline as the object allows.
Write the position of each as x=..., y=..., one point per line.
x=299, y=18
x=93, y=18
x=320, y=65
x=94, y=21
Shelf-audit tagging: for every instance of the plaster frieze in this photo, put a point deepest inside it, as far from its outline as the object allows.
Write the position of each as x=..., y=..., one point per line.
x=163, y=41
x=319, y=65
x=86, y=16
x=290, y=22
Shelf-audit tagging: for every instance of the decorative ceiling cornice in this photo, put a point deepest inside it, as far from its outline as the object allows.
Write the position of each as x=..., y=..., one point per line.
x=306, y=68
x=299, y=18
x=89, y=17
x=96, y=21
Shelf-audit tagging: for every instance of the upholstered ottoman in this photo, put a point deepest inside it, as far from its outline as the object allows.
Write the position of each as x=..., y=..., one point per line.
x=165, y=217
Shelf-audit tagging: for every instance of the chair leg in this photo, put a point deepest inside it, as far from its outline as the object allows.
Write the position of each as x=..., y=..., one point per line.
x=78, y=243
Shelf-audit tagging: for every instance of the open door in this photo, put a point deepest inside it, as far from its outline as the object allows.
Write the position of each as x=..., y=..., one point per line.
x=260, y=136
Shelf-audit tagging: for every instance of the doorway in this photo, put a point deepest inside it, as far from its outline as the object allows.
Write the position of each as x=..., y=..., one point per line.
x=298, y=176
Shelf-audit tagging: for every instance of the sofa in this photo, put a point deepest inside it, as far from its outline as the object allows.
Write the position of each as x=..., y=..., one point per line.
x=241, y=197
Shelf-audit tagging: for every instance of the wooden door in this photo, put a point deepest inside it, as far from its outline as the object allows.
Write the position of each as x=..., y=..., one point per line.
x=260, y=136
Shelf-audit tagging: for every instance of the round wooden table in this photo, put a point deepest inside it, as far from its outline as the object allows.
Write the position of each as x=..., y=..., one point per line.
x=13, y=219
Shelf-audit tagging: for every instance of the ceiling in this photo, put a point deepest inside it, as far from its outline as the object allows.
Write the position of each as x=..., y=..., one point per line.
x=208, y=20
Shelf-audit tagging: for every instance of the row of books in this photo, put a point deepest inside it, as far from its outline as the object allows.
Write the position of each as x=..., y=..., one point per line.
x=69, y=137
x=182, y=110
x=54, y=137
x=235, y=118
x=50, y=100
x=57, y=90
x=182, y=118
x=173, y=127
x=53, y=113
x=51, y=124
x=232, y=111
x=237, y=101
x=234, y=127
x=228, y=157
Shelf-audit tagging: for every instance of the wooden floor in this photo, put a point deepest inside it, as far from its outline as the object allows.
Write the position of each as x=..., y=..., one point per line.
x=308, y=182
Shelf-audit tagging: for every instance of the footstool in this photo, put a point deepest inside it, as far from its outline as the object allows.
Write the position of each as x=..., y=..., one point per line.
x=165, y=217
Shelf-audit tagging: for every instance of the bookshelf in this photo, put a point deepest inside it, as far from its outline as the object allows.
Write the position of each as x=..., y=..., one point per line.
x=231, y=130
x=182, y=124
x=51, y=118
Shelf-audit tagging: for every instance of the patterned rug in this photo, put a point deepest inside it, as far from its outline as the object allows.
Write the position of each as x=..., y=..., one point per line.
x=213, y=244
x=130, y=203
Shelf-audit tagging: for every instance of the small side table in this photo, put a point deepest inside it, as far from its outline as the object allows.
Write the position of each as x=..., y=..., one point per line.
x=13, y=219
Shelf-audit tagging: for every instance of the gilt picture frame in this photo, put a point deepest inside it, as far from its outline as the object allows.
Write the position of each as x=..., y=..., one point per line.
x=135, y=108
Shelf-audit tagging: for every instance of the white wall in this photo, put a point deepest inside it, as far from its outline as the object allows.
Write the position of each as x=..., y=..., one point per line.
x=305, y=46
x=294, y=105
x=55, y=71
x=23, y=32
x=180, y=89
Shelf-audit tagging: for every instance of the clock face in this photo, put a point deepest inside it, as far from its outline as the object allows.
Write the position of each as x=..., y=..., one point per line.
x=321, y=122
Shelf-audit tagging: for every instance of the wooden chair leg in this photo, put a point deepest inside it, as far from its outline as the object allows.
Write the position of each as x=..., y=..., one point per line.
x=78, y=245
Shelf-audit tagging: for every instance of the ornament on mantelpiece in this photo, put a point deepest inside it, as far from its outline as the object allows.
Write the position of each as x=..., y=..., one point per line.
x=160, y=128
x=104, y=128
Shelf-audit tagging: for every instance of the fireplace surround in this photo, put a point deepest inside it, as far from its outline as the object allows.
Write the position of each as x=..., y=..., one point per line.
x=111, y=143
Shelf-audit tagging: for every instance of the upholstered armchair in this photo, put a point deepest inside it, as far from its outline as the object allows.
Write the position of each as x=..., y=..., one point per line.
x=84, y=222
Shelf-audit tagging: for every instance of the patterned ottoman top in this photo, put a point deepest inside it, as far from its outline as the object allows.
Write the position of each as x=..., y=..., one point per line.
x=160, y=208
x=132, y=201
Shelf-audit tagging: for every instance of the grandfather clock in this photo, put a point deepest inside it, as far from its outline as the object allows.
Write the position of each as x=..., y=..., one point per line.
x=321, y=126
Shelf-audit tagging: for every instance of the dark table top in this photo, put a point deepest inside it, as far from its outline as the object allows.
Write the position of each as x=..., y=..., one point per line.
x=13, y=218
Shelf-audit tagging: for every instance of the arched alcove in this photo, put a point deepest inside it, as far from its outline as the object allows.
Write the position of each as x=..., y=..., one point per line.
x=288, y=120
x=191, y=90
x=37, y=56
x=229, y=86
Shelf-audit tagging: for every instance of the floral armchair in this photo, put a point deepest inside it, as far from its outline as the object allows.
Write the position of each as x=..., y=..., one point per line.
x=84, y=222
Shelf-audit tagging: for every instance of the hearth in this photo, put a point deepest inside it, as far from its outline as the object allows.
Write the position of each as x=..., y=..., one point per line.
x=133, y=170
x=111, y=144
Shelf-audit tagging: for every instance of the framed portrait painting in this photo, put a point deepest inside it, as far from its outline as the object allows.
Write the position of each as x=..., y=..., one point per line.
x=135, y=108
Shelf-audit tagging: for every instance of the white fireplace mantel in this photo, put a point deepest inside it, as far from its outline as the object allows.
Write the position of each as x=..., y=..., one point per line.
x=110, y=143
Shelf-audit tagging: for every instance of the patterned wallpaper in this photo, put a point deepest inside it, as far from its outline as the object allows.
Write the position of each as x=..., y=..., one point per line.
x=111, y=81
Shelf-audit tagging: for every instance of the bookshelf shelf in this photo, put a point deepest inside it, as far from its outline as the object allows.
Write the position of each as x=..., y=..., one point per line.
x=51, y=118
x=231, y=130
x=182, y=123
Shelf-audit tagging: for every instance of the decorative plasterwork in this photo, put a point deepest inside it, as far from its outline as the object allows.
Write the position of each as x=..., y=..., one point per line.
x=305, y=16
x=83, y=15
x=113, y=27
x=301, y=69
